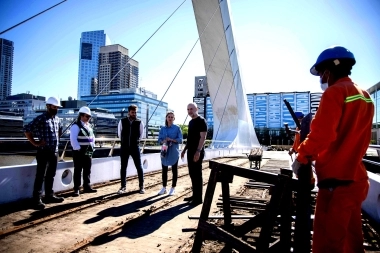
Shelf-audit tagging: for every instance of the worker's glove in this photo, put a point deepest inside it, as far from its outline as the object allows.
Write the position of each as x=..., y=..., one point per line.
x=296, y=166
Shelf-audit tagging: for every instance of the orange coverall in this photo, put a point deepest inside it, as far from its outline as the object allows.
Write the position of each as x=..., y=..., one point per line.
x=339, y=137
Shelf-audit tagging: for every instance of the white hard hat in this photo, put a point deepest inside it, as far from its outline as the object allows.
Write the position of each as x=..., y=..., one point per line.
x=85, y=109
x=53, y=101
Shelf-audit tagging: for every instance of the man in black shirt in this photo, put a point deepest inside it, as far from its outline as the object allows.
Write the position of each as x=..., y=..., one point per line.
x=195, y=152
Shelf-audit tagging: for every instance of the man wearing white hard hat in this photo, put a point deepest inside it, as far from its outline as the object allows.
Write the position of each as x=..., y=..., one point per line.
x=82, y=140
x=47, y=129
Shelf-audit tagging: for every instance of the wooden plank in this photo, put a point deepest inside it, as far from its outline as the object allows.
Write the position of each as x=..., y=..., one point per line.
x=242, y=207
x=246, y=198
x=226, y=237
x=271, y=214
x=263, y=176
x=206, y=206
x=286, y=216
x=218, y=217
x=258, y=186
x=302, y=235
x=226, y=207
x=226, y=199
x=247, y=203
x=250, y=225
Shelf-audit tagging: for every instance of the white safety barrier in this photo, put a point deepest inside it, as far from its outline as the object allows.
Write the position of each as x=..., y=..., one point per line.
x=16, y=182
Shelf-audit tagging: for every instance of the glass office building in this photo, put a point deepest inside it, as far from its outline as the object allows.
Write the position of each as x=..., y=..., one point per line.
x=89, y=47
x=374, y=91
x=268, y=110
x=150, y=110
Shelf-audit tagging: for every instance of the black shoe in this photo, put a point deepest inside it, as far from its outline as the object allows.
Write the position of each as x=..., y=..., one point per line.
x=38, y=204
x=89, y=190
x=76, y=193
x=53, y=199
x=188, y=199
x=195, y=203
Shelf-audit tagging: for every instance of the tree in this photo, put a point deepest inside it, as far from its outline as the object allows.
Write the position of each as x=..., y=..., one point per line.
x=185, y=130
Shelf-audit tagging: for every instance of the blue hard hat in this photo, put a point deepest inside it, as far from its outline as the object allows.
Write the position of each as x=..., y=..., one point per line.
x=332, y=53
x=299, y=114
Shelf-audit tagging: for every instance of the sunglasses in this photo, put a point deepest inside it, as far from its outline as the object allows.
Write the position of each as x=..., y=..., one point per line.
x=87, y=116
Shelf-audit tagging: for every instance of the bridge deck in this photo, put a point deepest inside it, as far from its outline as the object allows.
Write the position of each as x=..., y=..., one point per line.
x=160, y=231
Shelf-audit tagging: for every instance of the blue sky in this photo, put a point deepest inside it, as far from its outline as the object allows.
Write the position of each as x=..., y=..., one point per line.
x=278, y=42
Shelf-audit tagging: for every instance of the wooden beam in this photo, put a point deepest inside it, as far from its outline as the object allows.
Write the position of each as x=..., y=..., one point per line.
x=206, y=206
x=218, y=217
x=226, y=237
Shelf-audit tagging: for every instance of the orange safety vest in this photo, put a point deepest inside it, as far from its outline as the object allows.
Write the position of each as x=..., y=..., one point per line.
x=340, y=133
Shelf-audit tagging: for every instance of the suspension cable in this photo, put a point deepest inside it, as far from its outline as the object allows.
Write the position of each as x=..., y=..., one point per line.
x=31, y=17
x=128, y=60
x=138, y=51
x=183, y=63
x=180, y=68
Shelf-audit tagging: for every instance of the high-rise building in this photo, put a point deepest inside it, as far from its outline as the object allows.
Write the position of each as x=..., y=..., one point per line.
x=90, y=43
x=133, y=75
x=115, y=65
x=200, y=94
x=201, y=86
x=6, y=68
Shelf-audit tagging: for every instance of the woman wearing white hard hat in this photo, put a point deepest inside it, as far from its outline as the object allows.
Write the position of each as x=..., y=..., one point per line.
x=82, y=140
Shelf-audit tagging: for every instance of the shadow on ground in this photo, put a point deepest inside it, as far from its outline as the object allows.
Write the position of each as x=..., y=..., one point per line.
x=146, y=226
x=128, y=208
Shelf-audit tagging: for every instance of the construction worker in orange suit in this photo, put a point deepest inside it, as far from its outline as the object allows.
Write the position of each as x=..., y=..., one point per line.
x=339, y=137
x=297, y=137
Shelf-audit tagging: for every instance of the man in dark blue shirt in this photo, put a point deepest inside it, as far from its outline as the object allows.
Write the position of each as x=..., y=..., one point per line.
x=195, y=152
x=47, y=129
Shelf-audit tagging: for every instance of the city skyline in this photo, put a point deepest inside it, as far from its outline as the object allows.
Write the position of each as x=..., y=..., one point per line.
x=277, y=41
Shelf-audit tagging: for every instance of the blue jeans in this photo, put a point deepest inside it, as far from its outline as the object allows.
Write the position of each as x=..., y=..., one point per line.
x=125, y=152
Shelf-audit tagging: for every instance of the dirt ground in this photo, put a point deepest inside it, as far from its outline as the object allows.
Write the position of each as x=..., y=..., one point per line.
x=160, y=232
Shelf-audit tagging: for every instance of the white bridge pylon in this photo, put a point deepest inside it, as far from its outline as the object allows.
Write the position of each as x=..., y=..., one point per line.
x=232, y=120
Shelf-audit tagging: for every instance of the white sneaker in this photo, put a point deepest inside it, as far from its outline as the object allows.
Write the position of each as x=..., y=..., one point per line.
x=122, y=190
x=142, y=190
x=172, y=191
x=162, y=191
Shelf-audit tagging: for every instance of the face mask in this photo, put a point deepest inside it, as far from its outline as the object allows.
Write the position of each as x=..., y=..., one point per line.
x=325, y=85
